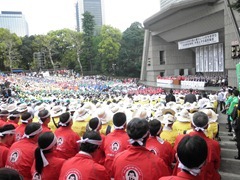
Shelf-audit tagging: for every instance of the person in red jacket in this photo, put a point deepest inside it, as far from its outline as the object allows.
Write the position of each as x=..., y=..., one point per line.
x=192, y=153
x=21, y=153
x=82, y=166
x=95, y=124
x=137, y=161
x=7, y=138
x=67, y=145
x=14, y=118
x=210, y=169
x=26, y=118
x=46, y=165
x=157, y=145
x=3, y=117
x=116, y=141
x=44, y=119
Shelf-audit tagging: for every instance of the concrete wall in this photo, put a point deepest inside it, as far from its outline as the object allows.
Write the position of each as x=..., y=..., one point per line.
x=230, y=35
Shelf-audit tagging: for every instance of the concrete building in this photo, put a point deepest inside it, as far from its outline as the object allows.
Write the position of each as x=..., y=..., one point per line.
x=95, y=7
x=14, y=21
x=166, y=3
x=190, y=37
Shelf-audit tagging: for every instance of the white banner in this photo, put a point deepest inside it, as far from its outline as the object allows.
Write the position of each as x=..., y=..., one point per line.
x=199, y=41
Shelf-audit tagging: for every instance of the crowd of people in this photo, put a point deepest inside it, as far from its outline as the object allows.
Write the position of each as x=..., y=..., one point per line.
x=91, y=128
x=213, y=80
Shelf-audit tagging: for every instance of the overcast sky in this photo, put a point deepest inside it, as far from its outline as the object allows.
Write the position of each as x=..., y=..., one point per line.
x=45, y=15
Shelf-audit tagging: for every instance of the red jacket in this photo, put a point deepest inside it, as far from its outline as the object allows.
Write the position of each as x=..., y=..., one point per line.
x=45, y=128
x=52, y=170
x=139, y=163
x=21, y=157
x=3, y=154
x=2, y=123
x=99, y=155
x=210, y=170
x=162, y=149
x=20, y=131
x=82, y=166
x=181, y=176
x=67, y=145
x=115, y=142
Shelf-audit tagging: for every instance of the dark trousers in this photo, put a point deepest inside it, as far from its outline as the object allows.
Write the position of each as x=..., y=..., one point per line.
x=238, y=141
x=221, y=105
x=229, y=124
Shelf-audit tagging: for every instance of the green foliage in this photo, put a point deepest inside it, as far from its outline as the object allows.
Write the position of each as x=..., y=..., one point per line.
x=130, y=58
x=108, y=48
x=88, y=53
x=9, y=49
x=236, y=5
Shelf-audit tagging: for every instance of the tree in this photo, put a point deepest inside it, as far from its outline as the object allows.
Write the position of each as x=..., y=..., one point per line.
x=130, y=57
x=9, y=44
x=26, y=50
x=87, y=47
x=108, y=48
x=236, y=5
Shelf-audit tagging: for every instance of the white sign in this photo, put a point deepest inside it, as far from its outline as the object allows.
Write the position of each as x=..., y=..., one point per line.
x=199, y=41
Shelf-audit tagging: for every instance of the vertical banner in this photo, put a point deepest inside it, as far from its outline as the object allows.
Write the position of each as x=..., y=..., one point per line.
x=210, y=60
x=221, y=57
x=201, y=63
x=238, y=75
x=197, y=59
x=205, y=58
x=215, y=57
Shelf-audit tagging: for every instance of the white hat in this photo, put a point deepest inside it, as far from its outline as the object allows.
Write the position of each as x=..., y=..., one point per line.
x=80, y=114
x=22, y=107
x=184, y=116
x=212, y=116
x=104, y=116
x=56, y=111
x=168, y=119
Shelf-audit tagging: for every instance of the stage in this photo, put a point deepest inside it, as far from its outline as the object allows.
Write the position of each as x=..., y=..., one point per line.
x=173, y=86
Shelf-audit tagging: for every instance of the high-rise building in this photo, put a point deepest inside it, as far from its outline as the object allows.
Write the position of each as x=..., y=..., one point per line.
x=14, y=21
x=94, y=7
x=166, y=3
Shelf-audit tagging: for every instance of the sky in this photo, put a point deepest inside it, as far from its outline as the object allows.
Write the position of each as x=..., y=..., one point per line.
x=46, y=15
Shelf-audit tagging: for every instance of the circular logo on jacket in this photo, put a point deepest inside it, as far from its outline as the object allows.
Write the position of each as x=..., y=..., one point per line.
x=115, y=146
x=14, y=156
x=132, y=172
x=60, y=141
x=73, y=175
x=36, y=176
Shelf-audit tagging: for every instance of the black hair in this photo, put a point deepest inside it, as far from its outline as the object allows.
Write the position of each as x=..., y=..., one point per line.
x=171, y=91
x=44, y=140
x=31, y=127
x=119, y=119
x=190, y=90
x=200, y=119
x=12, y=117
x=6, y=127
x=192, y=151
x=136, y=129
x=43, y=113
x=235, y=92
x=10, y=174
x=64, y=117
x=93, y=124
x=154, y=126
x=88, y=147
x=25, y=116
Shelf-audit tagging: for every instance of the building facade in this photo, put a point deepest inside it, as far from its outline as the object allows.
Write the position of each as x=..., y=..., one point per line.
x=14, y=21
x=166, y=3
x=190, y=37
x=95, y=7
